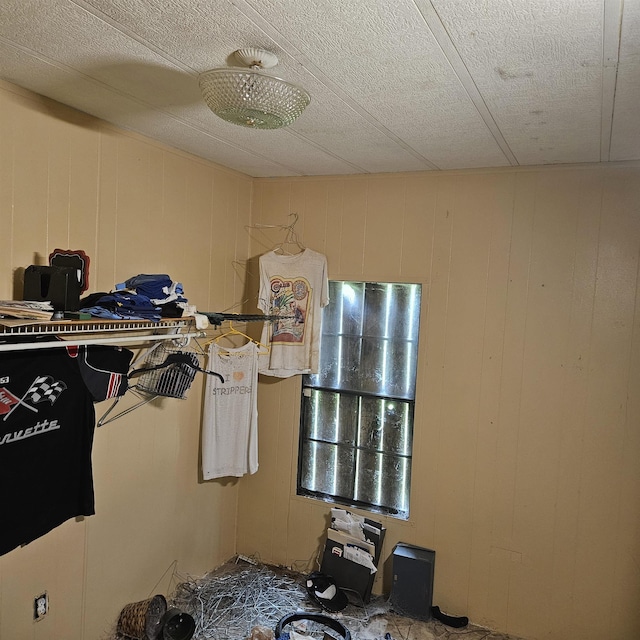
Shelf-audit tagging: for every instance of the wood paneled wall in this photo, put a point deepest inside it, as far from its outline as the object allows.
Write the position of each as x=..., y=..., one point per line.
x=70, y=181
x=525, y=479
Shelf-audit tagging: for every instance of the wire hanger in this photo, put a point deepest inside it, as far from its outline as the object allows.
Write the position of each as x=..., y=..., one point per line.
x=290, y=239
x=175, y=359
x=232, y=331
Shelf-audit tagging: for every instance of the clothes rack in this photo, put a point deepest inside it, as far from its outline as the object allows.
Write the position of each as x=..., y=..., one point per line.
x=167, y=338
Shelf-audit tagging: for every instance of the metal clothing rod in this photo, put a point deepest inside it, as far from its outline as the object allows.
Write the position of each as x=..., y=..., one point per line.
x=24, y=346
x=217, y=319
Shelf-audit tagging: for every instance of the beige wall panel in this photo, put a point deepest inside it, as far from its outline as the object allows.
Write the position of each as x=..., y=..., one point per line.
x=224, y=228
x=275, y=200
x=493, y=196
x=242, y=238
x=222, y=231
x=522, y=476
x=30, y=188
x=504, y=558
x=84, y=168
x=135, y=207
x=574, y=389
x=164, y=233
x=352, y=236
x=58, y=153
x=334, y=222
x=7, y=266
x=383, y=230
x=272, y=203
x=308, y=522
x=73, y=162
x=424, y=477
x=257, y=497
x=194, y=537
x=461, y=386
x=544, y=372
x=605, y=437
x=417, y=227
x=134, y=218
x=193, y=240
x=627, y=584
x=300, y=197
x=122, y=566
x=55, y=566
x=187, y=208
x=103, y=265
x=313, y=222
x=285, y=469
x=232, y=206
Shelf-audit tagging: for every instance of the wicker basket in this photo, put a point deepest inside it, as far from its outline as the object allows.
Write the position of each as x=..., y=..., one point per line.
x=142, y=620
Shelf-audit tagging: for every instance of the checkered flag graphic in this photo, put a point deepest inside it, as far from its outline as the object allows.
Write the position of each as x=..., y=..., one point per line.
x=44, y=388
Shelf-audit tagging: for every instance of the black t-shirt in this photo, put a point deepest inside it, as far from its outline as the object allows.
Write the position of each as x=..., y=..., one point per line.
x=47, y=422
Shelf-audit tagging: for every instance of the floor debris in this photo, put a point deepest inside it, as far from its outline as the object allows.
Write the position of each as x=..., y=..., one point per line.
x=242, y=594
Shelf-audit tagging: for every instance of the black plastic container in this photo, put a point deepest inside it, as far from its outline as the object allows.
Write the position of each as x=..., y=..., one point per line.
x=177, y=625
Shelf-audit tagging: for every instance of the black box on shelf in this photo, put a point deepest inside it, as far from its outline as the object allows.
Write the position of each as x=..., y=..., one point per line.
x=59, y=285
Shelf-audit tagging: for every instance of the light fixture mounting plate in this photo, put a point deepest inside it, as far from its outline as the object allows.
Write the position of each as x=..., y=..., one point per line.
x=254, y=57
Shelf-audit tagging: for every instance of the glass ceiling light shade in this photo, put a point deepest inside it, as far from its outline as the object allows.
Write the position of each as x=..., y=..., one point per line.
x=250, y=97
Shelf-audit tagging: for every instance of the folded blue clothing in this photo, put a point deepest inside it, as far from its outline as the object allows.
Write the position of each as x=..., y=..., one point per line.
x=101, y=312
x=122, y=314
x=130, y=301
x=125, y=305
x=150, y=285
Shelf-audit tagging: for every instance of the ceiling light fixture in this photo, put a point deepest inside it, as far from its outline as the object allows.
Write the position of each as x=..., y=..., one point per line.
x=250, y=97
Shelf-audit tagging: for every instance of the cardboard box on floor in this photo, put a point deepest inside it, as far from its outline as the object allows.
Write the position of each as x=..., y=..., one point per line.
x=349, y=575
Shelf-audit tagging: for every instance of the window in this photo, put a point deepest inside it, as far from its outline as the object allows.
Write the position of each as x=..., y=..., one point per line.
x=357, y=411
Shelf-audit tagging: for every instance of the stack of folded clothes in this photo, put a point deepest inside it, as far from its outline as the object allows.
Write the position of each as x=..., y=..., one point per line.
x=143, y=297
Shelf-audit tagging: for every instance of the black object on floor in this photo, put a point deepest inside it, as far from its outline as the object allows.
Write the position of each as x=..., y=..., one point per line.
x=177, y=625
x=451, y=621
x=327, y=621
x=324, y=591
x=412, y=588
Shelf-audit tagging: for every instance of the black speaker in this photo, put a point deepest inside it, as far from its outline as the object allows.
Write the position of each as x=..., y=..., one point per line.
x=59, y=285
x=412, y=588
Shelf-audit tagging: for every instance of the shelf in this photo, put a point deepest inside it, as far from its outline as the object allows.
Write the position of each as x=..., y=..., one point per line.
x=59, y=327
x=102, y=332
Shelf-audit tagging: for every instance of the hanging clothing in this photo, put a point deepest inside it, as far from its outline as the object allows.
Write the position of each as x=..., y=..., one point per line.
x=46, y=434
x=230, y=415
x=295, y=288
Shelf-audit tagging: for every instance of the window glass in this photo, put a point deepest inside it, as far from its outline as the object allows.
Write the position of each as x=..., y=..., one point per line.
x=357, y=411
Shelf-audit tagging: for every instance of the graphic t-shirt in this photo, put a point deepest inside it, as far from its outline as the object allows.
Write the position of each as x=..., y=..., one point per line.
x=46, y=434
x=230, y=415
x=294, y=288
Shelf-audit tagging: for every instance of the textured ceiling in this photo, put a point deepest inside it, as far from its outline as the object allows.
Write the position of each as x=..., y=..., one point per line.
x=396, y=85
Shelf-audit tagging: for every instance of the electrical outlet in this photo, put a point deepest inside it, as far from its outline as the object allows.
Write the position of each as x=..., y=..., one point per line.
x=40, y=606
